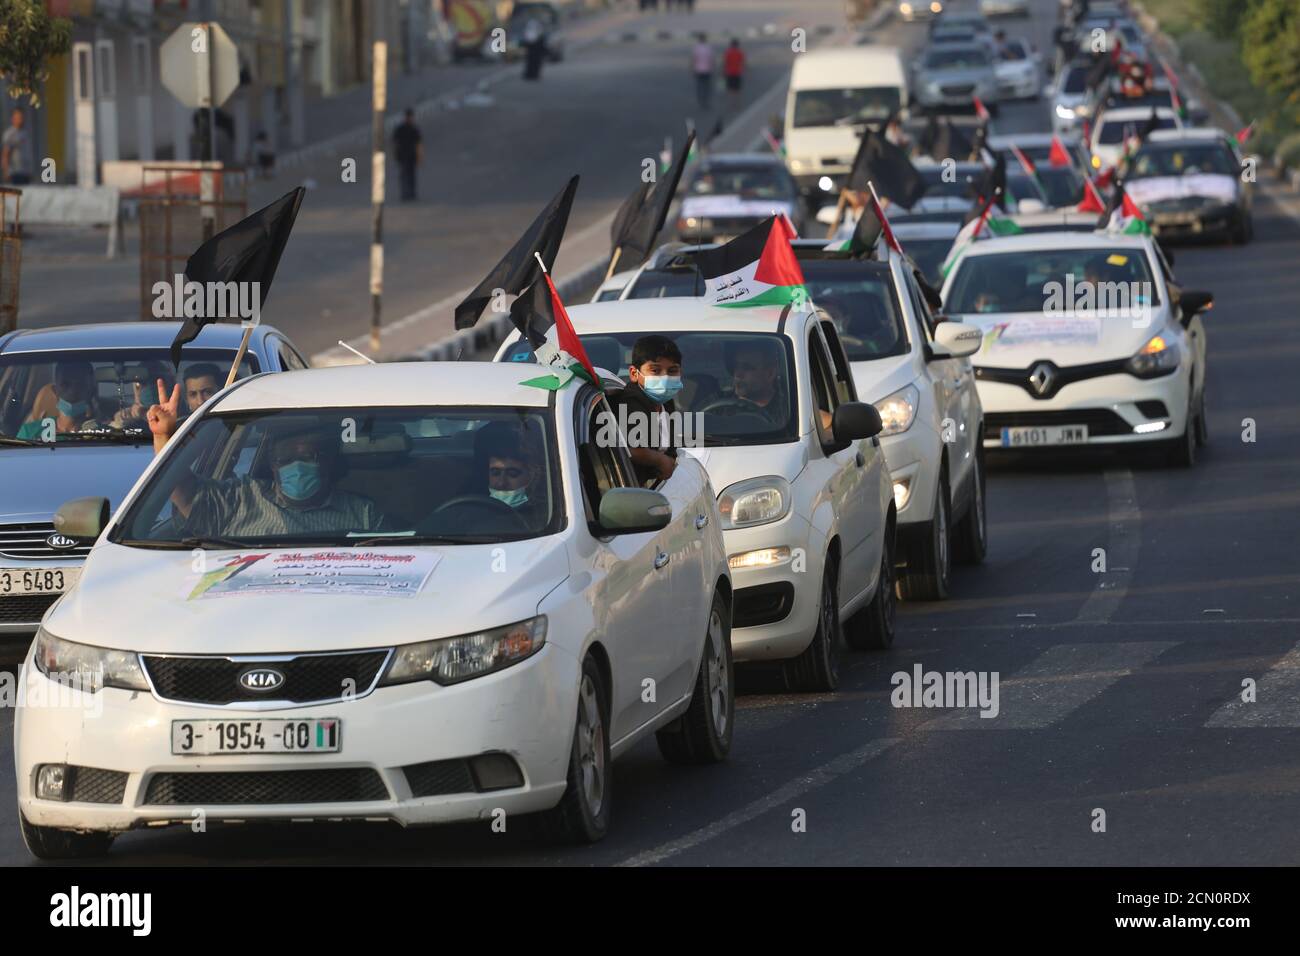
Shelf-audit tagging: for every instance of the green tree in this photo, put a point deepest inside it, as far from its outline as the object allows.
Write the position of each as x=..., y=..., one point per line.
x=29, y=37
x=1270, y=47
x=1220, y=18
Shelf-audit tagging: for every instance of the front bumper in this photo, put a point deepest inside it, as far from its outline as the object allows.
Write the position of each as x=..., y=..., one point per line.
x=913, y=458
x=526, y=711
x=1112, y=406
x=783, y=596
x=1216, y=221
x=1019, y=87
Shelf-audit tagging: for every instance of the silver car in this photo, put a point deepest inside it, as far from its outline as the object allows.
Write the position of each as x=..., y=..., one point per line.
x=72, y=404
x=950, y=75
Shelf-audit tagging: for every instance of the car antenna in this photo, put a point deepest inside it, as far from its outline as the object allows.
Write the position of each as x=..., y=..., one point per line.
x=360, y=355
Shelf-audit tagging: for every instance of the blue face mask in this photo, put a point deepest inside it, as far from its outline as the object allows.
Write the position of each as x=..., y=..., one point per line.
x=299, y=480
x=73, y=409
x=513, y=498
x=661, y=388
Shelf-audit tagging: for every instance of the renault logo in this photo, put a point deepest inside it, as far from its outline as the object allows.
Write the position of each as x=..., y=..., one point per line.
x=61, y=542
x=1041, y=377
x=261, y=679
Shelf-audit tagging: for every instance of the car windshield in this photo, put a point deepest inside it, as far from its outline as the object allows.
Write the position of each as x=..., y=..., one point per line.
x=1026, y=280
x=1182, y=160
x=342, y=477
x=956, y=58
x=1114, y=132
x=748, y=182
x=97, y=395
x=940, y=182
x=1061, y=184
x=1076, y=80
x=826, y=107
x=667, y=284
x=928, y=254
x=1012, y=51
x=859, y=299
x=1023, y=186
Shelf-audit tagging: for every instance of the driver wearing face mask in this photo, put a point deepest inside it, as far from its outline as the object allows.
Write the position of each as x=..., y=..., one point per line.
x=300, y=496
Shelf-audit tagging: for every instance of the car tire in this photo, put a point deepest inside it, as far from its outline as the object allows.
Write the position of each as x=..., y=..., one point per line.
x=929, y=556
x=1180, y=452
x=703, y=734
x=54, y=843
x=872, y=628
x=818, y=667
x=1202, y=423
x=582, y=815
x=971, y=541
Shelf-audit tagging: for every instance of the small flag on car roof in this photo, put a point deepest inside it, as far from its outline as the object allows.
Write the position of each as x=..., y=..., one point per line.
x=758, y=267
x=541, y=318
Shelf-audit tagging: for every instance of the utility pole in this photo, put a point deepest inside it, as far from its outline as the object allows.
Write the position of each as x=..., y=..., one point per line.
x=379, y=76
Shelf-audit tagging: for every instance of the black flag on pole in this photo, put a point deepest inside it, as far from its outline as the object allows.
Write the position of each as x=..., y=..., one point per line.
x=519, y=268
x=880, y=161
x=248, y=251
x=638, y=237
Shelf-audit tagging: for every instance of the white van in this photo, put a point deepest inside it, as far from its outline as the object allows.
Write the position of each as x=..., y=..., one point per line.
x=829, y=91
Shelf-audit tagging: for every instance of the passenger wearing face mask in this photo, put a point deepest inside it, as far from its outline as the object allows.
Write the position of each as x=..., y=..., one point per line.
x=74, y=387
x=299, y=498
x=655, y=378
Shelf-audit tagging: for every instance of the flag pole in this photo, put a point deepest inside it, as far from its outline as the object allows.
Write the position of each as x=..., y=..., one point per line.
x=239, y=355
x=613, y=263
x=538, y=257
x=839, y=212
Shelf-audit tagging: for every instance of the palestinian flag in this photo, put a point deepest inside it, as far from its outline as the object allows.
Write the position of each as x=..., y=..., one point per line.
x=1175, y=100
x=1058, y=156
x=996, y=225
x=1243, y=135
x=540, y=316
x=981, y=110
x=756, y=268
x=775, y=145
x=1122, y=215
x=1091, y=198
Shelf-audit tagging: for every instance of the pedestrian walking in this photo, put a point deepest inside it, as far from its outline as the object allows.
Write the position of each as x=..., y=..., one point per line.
x=409, y=152
x=733, y=68
x=15, y=150
x=534, y=44
x=702, y=67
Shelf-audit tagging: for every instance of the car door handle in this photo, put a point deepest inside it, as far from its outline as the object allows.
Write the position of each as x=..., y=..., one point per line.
x=701, y=521
x=661, y=560
x=861, y=459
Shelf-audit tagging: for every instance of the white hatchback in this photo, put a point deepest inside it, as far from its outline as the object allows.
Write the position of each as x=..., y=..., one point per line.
x=1088, y=340
x=805, y=496
x=420, y=592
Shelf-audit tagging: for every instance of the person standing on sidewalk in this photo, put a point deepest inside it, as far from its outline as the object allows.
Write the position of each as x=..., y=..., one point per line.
x=702, y=67
x=409, y=152
x=733, y=68
x=15, y=163
x=534, y=44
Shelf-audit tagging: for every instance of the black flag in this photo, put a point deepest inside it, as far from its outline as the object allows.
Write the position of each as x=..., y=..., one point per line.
x=627, y=214
x=992, y=184
x=248, y=251
x=638, y=239
x=949, y=142
x=519, y=268
x=881, y=162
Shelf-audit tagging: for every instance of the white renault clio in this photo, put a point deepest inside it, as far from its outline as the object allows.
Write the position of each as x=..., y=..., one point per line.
x=1088, y=340
x=805, y=496
x=420, y=592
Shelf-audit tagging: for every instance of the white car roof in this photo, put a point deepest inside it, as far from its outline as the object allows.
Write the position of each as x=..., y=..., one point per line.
x=1203, y=134
x=683, y=314
x=1037, y=241
x=1127, y=114
x=925, y=230
x=389, y=384
x=1032, y=140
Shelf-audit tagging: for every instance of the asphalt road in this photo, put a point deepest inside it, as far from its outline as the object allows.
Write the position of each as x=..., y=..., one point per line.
x=1117, y=689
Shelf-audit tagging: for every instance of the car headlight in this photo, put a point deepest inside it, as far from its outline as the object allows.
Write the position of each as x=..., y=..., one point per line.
x=799, y=165
x=1158, y=357
x=87, y=668
x=1083, y=109
x=754, y=501
x=905, y=9
x=450, y=660
x=898, y=411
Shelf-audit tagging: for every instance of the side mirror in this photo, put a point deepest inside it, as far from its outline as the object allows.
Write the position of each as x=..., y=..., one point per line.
x=1192, y=302
x=854, y=421
x=633, y=510
x=82, y=517
x=956, y=339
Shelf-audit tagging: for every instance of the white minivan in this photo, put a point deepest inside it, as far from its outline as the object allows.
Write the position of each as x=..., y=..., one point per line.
x=832, y=92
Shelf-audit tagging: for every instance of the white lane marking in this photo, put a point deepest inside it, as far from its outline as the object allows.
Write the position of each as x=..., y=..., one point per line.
x=1054, y=684
x=844, y=763
x=1277, y=698
x=1122, y=546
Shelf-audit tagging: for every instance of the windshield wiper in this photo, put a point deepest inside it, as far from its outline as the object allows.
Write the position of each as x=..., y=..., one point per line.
x=23, y=442
x=424, y=539
x=219, y=543
x=720, y=440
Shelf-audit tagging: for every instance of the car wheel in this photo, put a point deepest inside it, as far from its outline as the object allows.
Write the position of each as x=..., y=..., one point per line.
x=972, y=542
x=582, y=815
x=872, y=628
x=703, y=733
x=1202, y=423
x=1181, y=452
x=53, y=843
x=818, y=667
x=929, y=559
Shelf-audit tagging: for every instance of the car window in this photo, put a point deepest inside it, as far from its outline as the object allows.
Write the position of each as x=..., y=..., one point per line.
x=842, y=376
x=1026, y=280
x=824, y=107
x=748, y=182
x=1182, y=160
x=860, y=301
x=333, y=477
x=666, y=284
x=956, y=58
x=1076, y=80
x=601, y=466
x=101, y=395
x=289, y=359
x=824, y=395
x=920, y=308
x=1114, y=132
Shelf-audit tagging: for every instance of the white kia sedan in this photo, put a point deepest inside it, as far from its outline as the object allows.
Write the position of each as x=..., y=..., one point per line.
x=421, y=592
x=1088, y=340
x=804, y=492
